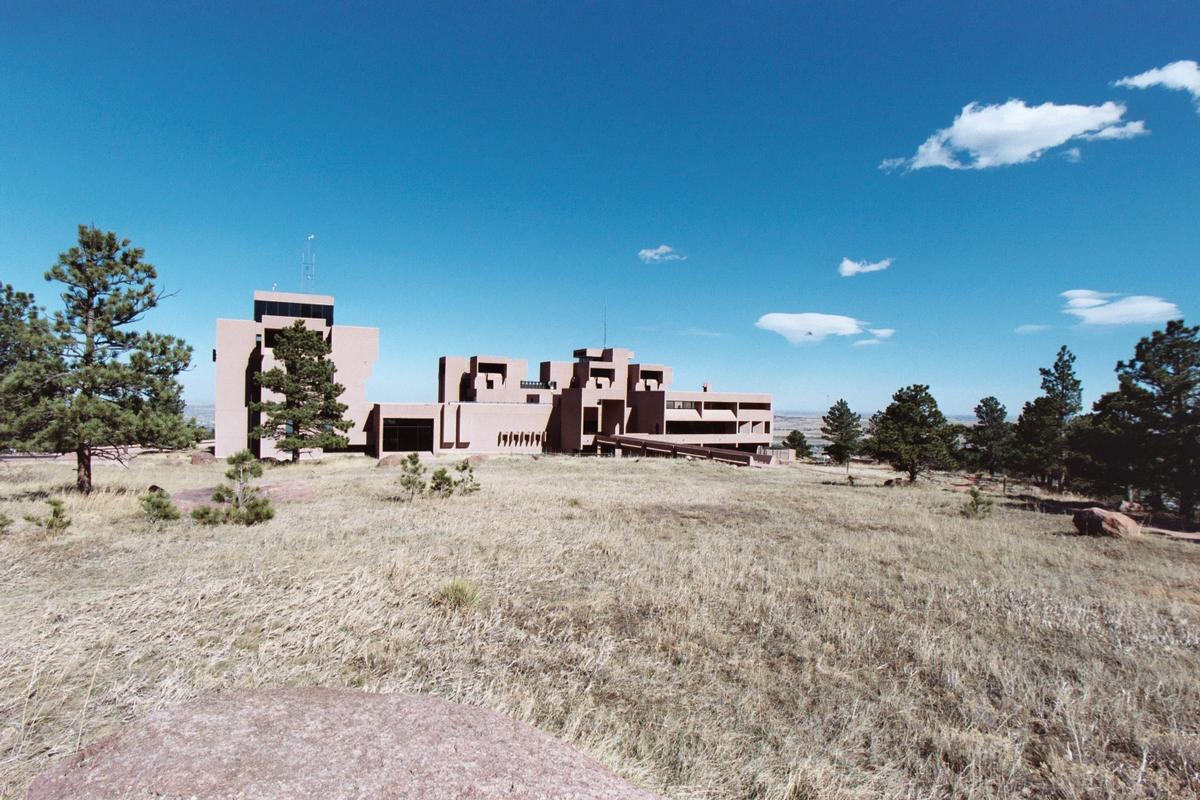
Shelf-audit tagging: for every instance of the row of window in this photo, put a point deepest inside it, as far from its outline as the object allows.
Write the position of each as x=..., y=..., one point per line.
x=520, y=439
x=277, y=308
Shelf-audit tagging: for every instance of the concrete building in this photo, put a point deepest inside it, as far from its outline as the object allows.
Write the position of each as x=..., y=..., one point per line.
x=244, y=347
x=601, y=401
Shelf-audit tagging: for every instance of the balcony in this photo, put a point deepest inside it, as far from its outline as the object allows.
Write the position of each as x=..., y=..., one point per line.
x=539, y=384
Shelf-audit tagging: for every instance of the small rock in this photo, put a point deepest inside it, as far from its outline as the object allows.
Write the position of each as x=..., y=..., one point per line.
x=1102, y=522
x=315, y=744
x=203, y=458
x=393, y=460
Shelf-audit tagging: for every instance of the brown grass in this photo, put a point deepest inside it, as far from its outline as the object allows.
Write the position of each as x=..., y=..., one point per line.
x=706, y=631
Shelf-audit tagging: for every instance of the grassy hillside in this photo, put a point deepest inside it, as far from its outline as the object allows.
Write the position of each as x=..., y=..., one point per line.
x=706, y=631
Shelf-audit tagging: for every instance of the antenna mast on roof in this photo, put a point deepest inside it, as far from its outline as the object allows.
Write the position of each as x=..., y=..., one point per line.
x=308, y=266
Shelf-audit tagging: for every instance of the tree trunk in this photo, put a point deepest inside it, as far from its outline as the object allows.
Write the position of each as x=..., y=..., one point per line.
x=83, y=469
x=295, y=455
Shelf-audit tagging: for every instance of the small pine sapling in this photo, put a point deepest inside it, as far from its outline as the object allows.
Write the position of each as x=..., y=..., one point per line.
x=979, y=506
x=158, y=507
x=465, y=483
x=412, y=473
x=440, y=483
x=243, y=504
x=58, y=519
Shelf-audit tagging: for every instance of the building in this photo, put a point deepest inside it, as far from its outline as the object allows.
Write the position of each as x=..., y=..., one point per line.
x=244, y=348
x=489, y=404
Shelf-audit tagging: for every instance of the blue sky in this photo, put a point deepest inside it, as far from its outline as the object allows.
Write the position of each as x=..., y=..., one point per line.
x=517, y=159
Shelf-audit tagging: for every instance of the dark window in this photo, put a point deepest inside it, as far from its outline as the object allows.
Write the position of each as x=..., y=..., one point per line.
x=677, y=404
x=407, y=435
x=271, y=338
x=692, y=427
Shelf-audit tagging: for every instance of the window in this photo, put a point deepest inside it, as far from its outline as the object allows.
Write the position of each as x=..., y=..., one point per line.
x=681, y=404
x=407, y=435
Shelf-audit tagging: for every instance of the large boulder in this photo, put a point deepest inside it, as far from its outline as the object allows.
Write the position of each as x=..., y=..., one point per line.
x=1102, y=522
x=394, y=460
x=203, y=457
x=329, y=744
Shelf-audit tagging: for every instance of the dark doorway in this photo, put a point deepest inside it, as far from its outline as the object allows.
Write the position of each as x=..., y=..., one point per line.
x=407, y=435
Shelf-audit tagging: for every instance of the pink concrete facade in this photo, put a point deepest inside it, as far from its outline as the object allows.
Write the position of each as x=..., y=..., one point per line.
x=244, y=348
x=485, y=404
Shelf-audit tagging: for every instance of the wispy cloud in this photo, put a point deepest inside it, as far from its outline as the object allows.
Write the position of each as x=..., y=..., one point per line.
x=811, y=326
x=985, y=136
x=1111, y=308
x=664, y=252
x=1179, y=75
x=1025, y=330
x=848, y=267
x=865, y=342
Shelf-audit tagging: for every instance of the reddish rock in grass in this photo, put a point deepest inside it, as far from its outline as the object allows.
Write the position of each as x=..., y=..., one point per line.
x=203, y=458
x=1102, y=522
x=392, y=461
x=323, y=744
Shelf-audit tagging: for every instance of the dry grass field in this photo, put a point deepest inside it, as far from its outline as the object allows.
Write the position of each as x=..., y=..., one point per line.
x=706, y=631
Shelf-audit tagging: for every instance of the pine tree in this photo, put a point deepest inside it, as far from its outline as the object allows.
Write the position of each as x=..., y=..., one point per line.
x=911, y=433
x=798, y=442
x=842, y=428
x=98, y=387
x=1153, y=419
x=990, y=438
x=309, y=415
x=29, y=367
x=1041, y=430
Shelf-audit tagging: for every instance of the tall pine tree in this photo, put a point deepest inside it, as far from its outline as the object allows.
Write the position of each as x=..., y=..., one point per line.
x=842, y=428
x=97, y=385
x=911, y=433
x=1041, y=430
x=309, y=414
x=989, y=439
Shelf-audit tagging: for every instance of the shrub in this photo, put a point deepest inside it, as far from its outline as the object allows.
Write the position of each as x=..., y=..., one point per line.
x=5, y=521
x=158, y=507
x=441, y=484
x=58, y=519
x=243, y=503
x=978, y=507
x=208, y=515
x=458, y=593
x=412, y=473
x=465, y=483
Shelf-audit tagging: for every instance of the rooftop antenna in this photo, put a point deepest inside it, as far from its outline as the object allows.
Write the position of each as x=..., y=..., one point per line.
x=308, y=266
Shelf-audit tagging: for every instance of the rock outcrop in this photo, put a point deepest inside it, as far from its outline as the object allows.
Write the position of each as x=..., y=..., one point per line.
x=1102, y=522
x=329, y=744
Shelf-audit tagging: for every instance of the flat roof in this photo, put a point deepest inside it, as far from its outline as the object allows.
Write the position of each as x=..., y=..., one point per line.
x=294, y=297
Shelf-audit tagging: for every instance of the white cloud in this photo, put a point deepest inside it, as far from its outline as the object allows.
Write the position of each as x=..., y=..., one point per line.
x=1073, y=154
x=1014, y=133
x=1180, y=75
x=1109, y=308
x=848, y=267
x=1028, y=329
x=809, y=326
x=664, y=252
x=813, y=327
